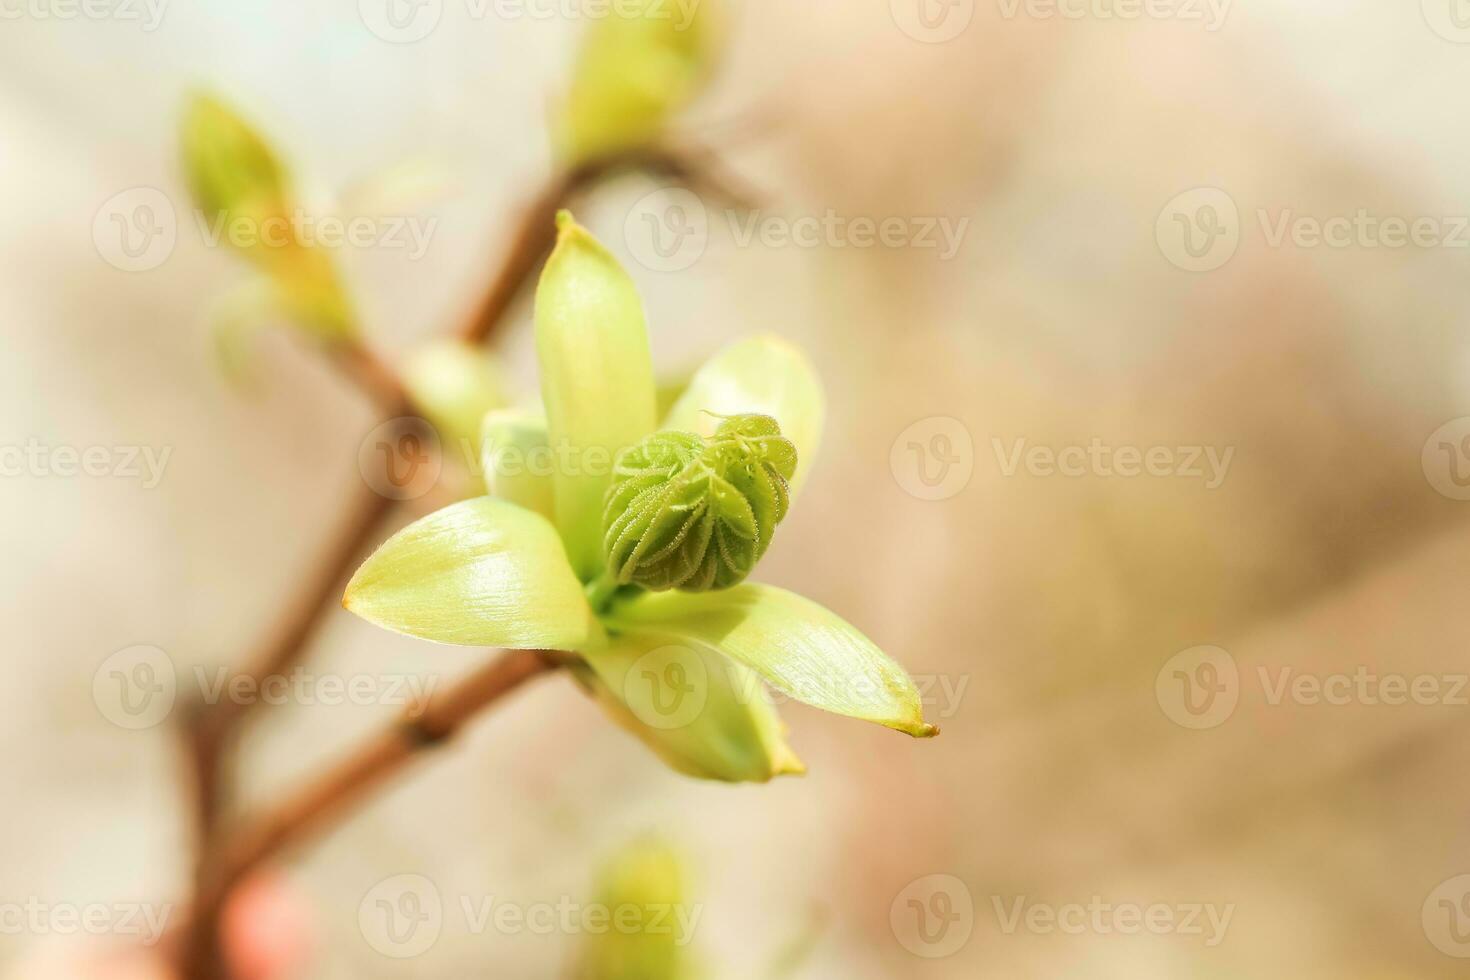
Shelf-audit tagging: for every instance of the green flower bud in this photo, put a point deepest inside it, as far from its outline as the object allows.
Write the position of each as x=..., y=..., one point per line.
x=230, y=169
x=697, y=514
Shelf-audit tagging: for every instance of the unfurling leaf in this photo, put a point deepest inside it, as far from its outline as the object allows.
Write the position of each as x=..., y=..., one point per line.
x=764, y=375
x=697, y=514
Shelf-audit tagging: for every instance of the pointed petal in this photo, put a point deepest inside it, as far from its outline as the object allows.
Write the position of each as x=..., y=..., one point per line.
x=796, y=645
x=481, y=572
x=596, y=380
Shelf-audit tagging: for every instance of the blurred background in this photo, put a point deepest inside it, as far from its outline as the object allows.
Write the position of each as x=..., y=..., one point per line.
x=1165, y=690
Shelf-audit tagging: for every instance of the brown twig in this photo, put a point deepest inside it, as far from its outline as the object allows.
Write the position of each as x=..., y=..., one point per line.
x=327, y=798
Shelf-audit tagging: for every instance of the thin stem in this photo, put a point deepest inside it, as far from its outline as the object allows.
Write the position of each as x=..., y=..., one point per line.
x=326, y=799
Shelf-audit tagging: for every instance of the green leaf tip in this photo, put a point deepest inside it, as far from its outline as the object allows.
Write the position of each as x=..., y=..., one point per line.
x=695, y=514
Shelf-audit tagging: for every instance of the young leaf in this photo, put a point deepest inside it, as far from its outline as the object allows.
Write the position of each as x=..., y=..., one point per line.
x=762, y=375
x=703, y=714
x=596, y=380
x=481, y=572
x=798, y=646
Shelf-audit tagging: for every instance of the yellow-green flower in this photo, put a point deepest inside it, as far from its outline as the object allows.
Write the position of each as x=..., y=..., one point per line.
x=682, y=670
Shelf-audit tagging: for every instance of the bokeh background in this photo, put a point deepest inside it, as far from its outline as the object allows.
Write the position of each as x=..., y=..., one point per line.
x=1043, y=611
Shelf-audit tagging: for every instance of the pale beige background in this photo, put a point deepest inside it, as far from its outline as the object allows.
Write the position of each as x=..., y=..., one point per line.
x=1055, y=600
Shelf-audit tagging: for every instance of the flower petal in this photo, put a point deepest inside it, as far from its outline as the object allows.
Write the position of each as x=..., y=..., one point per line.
x=481, y=572
x=703, y=714
x=517, y=460
x=596, y=380
x=796, y=645
x=765, y=375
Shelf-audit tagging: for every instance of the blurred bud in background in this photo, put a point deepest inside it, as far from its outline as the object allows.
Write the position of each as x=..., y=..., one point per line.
x=454, y=384
x=244, y=197
x=636, y=69
x=651, y=877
